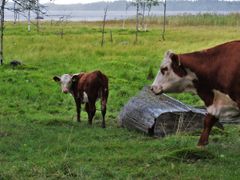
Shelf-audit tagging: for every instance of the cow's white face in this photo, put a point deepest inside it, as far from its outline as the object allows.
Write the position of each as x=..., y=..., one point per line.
x=167, y=80
x=65, y=81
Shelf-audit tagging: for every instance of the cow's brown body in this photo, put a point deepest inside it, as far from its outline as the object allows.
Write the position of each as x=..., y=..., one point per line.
x=216, y=69
x=87, y=88
x=217, y=79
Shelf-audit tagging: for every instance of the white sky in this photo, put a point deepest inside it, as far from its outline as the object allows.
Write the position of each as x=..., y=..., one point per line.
x=81, y=1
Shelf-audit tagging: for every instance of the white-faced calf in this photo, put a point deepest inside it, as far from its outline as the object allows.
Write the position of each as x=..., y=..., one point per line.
x=212, y=73
x=86, y=88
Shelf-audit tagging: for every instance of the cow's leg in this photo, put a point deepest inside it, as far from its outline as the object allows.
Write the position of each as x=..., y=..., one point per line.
x=78, y=108
x=207, y=96
x=103, y=110
x=91, y=110
x=209, y=121
x=238, y=102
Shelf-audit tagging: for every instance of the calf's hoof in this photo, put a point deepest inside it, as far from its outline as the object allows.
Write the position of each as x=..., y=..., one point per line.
x=202, y=145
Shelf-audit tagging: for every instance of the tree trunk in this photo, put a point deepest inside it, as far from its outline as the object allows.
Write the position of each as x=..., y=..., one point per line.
x=124, y=19
x=164, y=20
x=143, y=16
x=148, y=15
x=2, y=30
x=160, y=115
x=37, y=15
x=103, y=26
x=137, y=23
x=111, y=36
x=29, y=20
x=15, y=13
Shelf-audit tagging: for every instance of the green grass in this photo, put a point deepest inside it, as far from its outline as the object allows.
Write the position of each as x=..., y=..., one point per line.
x=39, y=135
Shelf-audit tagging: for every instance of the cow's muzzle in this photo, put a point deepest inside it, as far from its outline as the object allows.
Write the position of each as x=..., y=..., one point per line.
x=156, y=90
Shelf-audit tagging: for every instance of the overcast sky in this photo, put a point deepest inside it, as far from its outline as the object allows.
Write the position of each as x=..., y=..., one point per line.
x=79, y=1
x=69, y=1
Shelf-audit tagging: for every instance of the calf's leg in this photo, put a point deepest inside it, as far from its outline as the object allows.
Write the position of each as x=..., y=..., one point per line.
x=91, y=110
x=78, y=108
x=103, y=110
x=209, y=121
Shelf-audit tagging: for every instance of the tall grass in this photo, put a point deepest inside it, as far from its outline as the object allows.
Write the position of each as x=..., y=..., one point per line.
x=201, y=19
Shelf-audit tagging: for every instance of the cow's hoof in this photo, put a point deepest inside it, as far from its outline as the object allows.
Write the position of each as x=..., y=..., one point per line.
x=219, y=125
x=103, y=126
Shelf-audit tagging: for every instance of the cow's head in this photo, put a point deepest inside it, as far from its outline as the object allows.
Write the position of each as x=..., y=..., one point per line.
x=66, y=81
x=172, y=76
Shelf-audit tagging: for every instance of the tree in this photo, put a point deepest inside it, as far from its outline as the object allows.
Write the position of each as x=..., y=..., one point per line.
x=150, y=4
x=137, y=4
x=16, y=11
x=104, y=23
x=3, y=3
x=164, y=18
x=23, y=5
x=126, y=9
x=28, y=5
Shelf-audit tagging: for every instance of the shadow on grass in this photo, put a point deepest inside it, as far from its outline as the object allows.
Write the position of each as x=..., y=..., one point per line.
x=4, y=134
x=189, y=155
x=55, y=122
x=215, y=131
x=20, y=67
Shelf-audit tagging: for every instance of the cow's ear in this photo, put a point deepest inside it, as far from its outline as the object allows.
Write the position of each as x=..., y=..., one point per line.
x=175, y=59
x=177, y=67
x=56, y=78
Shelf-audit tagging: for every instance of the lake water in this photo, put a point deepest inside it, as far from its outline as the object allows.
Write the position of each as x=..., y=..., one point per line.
x=98, y=15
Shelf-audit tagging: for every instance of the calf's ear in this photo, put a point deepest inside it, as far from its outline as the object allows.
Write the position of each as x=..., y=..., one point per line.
x=75, y=77
x=56, y=78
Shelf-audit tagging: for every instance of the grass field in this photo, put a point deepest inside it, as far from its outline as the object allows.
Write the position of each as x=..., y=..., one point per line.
x=39, y=137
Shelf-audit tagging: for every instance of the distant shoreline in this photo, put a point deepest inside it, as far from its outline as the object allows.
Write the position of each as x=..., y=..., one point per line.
x=97, y=15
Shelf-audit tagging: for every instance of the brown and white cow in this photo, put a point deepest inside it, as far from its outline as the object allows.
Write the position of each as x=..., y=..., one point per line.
x=212, y=73
x=86, y=88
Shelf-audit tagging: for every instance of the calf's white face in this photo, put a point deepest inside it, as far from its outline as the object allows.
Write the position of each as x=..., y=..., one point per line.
x=65, y=80
x=168, y=81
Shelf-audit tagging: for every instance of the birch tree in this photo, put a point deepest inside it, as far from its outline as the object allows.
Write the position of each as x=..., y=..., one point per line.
x=22, y=6
x=103, y=25
x=149, y=5
x=164, y=18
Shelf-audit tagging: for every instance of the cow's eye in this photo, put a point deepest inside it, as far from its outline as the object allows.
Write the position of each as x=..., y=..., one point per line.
x=163, y=70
